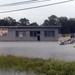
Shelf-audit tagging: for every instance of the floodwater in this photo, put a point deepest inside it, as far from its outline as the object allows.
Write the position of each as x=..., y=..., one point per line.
x=39, y=49
x=14, y=73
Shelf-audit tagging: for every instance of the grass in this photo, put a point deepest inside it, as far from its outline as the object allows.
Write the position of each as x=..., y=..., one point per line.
x=37, y=65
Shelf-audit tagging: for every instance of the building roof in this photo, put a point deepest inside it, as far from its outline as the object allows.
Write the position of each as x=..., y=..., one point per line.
x=29, y=27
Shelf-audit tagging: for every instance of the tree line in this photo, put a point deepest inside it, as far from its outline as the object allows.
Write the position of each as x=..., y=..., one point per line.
x=67, y=24
x=8, y=21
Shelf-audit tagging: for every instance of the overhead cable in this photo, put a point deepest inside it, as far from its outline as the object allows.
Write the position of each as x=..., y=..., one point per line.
x=23, y=2
x=37, y=6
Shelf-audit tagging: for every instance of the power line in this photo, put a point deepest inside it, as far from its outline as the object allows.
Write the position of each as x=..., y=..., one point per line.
x=37, y=6
x=23, y=2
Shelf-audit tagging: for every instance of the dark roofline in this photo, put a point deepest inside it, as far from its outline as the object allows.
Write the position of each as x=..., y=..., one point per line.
x=30, y=26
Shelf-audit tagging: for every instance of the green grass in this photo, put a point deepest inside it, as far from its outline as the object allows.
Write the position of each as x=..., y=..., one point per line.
x=37, y=65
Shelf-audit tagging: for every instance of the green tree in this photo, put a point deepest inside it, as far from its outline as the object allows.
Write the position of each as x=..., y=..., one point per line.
x=53, y=20
x=72, y=25
x=24, y=22
x=8, y=21
x=65, y=29
x=46, y=23
x=34, y=24
x=2, y=22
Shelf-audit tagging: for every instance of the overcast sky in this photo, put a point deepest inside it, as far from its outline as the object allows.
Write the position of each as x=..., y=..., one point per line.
x=39, y=14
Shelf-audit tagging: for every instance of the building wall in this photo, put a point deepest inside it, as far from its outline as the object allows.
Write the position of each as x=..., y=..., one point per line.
x=43, y=38
x=11, y=35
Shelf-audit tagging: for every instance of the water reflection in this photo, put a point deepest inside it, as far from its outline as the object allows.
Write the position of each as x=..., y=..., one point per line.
x=39, y=49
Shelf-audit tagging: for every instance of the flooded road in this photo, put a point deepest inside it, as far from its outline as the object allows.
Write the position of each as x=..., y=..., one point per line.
x=39, y=49
x=14, y=73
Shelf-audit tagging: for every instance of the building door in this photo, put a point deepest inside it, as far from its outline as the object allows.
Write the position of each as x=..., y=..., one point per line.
x=38, y=35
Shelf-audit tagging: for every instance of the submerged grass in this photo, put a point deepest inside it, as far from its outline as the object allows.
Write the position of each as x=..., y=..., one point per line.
x=37, y=65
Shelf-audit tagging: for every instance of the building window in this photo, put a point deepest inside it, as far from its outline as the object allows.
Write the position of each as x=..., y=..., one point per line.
x=34, y=33
x=53, y=33
x=24, y=33
x=20, y=33
x=31, y=33
x=17, y=34
x=49, y=33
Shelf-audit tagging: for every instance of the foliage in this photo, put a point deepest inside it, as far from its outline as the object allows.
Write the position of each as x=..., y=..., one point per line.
x=24, y=22
x=52, y=21
x=67, y=24
x=37, y=65
x=34, y=24
x=9, y=21
x=65, y=29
